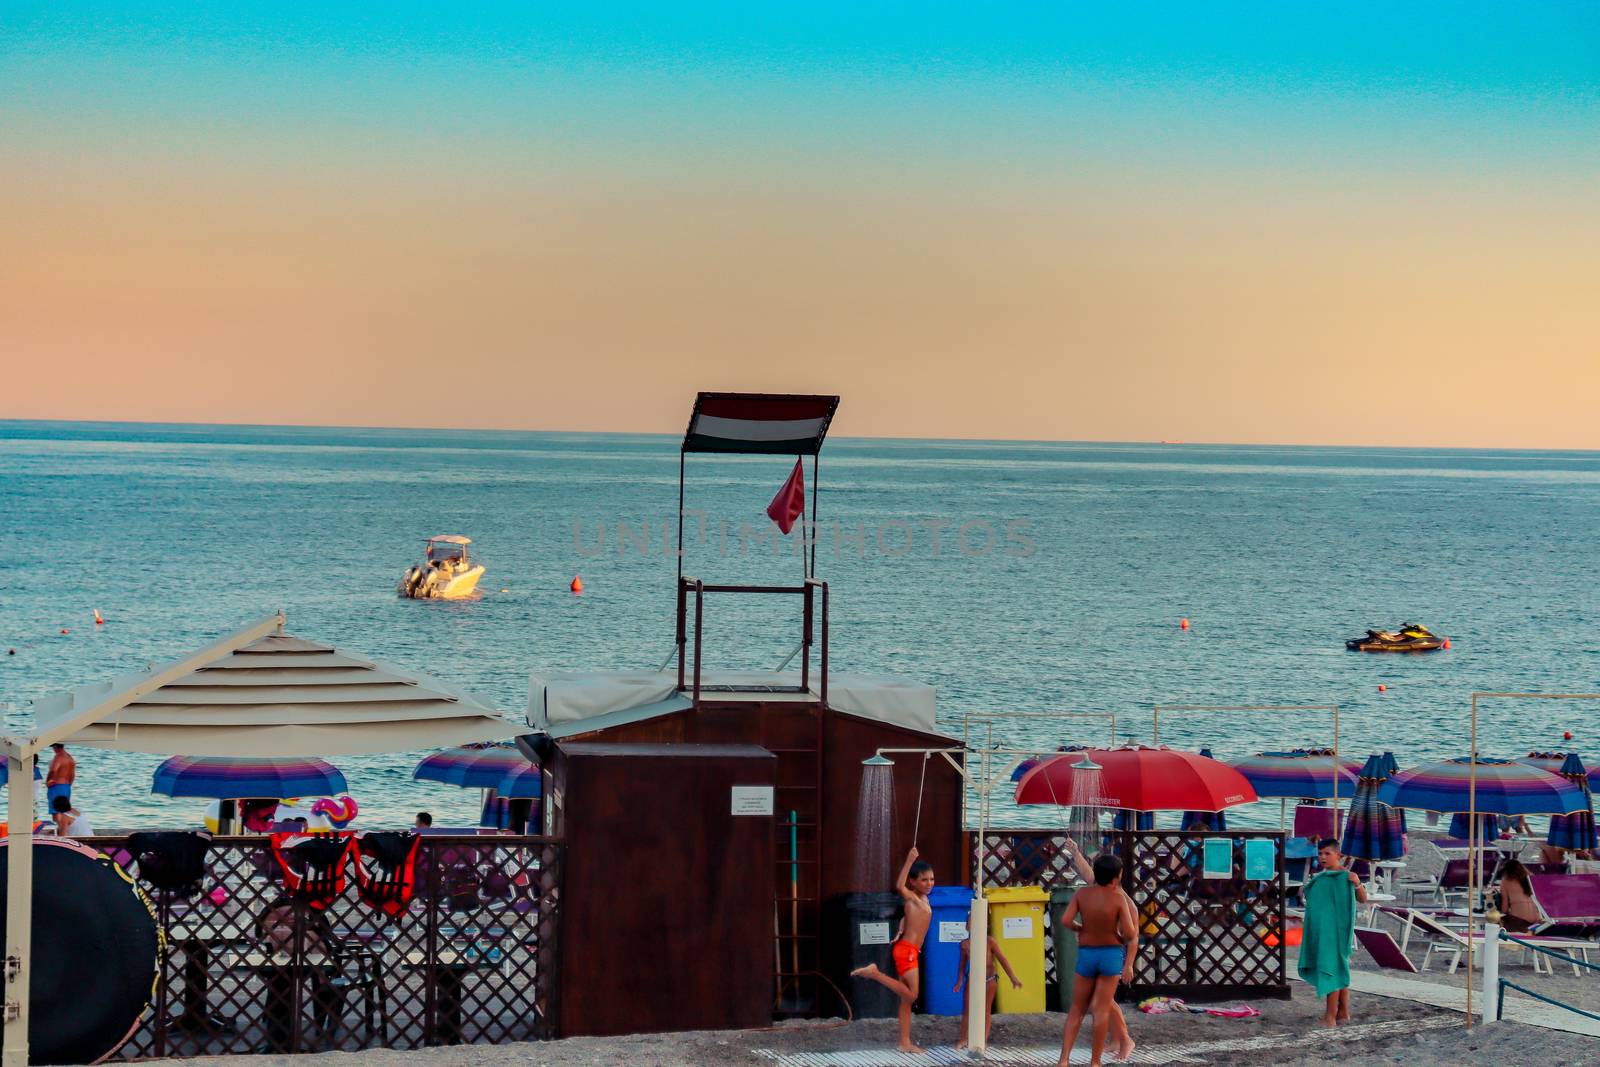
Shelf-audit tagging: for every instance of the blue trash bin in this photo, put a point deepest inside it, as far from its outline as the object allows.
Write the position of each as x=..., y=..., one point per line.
x=941, y=951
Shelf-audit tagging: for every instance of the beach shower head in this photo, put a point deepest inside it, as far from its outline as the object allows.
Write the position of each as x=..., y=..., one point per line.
x=877, y=759
x=1086, y=764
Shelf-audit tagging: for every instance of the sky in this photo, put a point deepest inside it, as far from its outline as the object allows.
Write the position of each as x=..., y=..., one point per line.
x=1340, y=224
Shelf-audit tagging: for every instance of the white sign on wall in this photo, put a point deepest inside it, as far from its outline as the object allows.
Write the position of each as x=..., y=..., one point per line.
x=952, y=932
x=1020, y=926
x=874, y=933
x=752, y=800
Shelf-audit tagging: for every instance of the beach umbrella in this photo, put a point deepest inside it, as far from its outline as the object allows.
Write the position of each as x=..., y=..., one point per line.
x=521, y=784
x=1504, y=788
x=1575, y=830
x=1141, y=778
x=1373, y=830
x=475, y=766
x=1553, y=762
x=1301, y=773
x=1215, y=821
x=247, y=777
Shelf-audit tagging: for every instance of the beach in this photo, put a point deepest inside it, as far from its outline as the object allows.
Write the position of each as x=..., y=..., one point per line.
x=1383, y=1032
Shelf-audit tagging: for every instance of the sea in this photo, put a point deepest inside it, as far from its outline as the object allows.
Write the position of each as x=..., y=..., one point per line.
x=1016, y=577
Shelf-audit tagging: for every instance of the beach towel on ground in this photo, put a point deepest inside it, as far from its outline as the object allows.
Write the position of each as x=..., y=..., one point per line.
x=1329, y=933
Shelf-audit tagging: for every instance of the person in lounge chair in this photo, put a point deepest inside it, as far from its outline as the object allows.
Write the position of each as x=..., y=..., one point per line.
x=1518, y=912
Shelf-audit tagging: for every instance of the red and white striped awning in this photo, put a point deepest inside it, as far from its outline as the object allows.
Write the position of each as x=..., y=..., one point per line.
x=761, y=423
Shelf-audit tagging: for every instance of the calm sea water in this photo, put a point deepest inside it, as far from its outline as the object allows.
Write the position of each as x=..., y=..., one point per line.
x=179, y=534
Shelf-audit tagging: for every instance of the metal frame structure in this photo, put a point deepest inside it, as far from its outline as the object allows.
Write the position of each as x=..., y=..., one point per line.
x=1474, y=842
x=1155, y=731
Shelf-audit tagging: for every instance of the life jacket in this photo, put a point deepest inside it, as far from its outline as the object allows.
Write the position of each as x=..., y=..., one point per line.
x=391, y=881
x=313, y=865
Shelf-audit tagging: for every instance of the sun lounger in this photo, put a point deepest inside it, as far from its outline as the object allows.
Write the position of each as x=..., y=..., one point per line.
x=1385, y=953
x=1569, y=904
x=1446, y=940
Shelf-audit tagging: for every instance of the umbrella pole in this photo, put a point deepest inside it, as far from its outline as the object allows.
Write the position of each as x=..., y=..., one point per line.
x=1283, y=814
x=19, y=903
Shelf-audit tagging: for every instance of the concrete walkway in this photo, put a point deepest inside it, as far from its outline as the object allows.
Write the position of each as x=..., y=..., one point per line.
x=1519, y=1008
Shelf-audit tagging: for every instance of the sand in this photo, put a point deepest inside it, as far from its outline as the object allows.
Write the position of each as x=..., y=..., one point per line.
x=1382, y=1032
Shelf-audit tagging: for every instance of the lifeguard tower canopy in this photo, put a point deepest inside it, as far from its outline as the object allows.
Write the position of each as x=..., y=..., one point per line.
x=772, y=424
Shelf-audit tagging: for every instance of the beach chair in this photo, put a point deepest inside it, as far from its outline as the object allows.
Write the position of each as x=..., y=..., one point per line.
x=1569, y=904
x=1453, y=878
x=1447, y=941
x=1380, y=945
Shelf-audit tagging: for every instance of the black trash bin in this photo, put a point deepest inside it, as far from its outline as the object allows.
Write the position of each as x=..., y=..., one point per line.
x=871, y=920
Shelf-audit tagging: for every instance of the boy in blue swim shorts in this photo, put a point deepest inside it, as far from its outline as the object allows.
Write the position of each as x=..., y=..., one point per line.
x=1108, y=941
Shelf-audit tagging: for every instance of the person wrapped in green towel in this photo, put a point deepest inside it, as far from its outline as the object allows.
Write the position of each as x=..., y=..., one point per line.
x=1331, y=897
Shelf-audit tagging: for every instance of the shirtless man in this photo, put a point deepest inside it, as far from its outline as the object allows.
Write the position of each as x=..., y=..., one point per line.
x=1119, y=1025
x=1107, y=945
x=59, y=778
x=914, y=884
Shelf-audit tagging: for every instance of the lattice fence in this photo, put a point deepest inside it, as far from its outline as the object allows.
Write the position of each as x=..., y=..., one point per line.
x=1199, y=936
x=472, y=959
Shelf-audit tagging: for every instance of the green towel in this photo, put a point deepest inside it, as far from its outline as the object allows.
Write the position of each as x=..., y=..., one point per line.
x=1329, y=931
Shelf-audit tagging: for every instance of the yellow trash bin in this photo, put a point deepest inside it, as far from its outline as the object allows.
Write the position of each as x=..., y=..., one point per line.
x=1019, y=919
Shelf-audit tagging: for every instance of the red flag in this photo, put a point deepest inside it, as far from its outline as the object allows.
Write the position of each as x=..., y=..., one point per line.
x=790, y=503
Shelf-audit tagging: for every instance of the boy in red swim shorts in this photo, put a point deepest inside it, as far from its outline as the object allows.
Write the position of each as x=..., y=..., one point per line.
x=914, y=884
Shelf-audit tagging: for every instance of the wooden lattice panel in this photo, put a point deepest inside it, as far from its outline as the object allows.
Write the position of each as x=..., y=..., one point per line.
x=471, y=960
x=1198, y=936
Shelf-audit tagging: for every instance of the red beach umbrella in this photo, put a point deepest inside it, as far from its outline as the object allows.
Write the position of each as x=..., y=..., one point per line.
x=1140, y=778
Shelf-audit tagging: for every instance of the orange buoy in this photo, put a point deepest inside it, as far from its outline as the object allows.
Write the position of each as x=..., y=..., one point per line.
x=1446, y=643
x=1183, y=624
x=577, y=585
x=65, y=630
x=1382, y=688
x=1566, y=735
x=98, y=621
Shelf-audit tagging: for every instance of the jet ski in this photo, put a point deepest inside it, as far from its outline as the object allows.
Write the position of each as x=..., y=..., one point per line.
x=1409, y=638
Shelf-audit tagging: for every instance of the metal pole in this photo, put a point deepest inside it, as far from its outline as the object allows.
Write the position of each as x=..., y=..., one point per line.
x=814, y=487
x=978, y=928
x=1334, y=770
x=1472, y=848
x=680, y=524
x=19, y=902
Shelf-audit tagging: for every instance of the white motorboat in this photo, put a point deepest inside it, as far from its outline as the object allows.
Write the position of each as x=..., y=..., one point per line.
x=445, y=573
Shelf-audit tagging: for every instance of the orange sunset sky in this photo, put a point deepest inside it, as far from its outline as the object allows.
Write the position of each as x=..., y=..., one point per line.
x=1348, y=229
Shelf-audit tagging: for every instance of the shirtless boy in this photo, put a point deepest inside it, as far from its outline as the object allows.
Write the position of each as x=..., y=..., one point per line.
x=1107, y=946
x=914, y=884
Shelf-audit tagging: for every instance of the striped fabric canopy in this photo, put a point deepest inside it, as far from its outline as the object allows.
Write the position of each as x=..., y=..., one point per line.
x=477, y=766
x=521, y=784
x=1577, y=830
x=1373, y=830
x=1553, y=762
x=264, y=692
x=1301, y=773
x=759, y=423
x=245, y=777
x=1504, y=788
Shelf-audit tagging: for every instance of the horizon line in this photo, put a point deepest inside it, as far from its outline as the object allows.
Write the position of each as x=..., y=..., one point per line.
x=843, y=437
